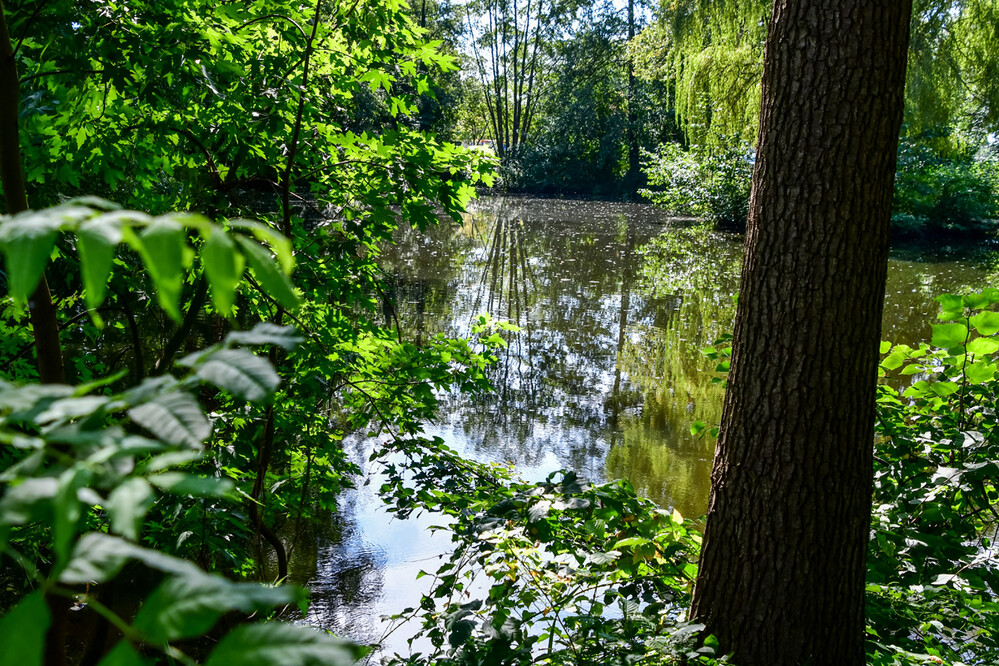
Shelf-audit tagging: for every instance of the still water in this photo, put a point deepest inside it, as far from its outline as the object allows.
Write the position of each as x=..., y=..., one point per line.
x=614, y=302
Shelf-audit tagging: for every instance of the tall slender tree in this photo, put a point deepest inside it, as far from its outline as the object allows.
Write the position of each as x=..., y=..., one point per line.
x=511, y=46
x=781, y=580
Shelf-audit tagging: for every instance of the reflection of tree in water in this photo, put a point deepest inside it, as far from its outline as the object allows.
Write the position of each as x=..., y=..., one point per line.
x=553, y=280
x=660, y=356
x=554, y=270
x=343, y=574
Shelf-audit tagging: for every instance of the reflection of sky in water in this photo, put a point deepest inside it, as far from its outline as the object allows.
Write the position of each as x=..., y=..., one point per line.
x=604, y=376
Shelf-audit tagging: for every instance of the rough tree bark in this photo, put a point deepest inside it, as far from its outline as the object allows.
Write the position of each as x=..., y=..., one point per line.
x=781, y=580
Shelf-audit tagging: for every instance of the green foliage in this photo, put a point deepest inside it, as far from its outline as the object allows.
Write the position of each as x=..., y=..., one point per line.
x=27, y=240
x=83, y=467
x=711, y=52
x=708, y=183
x=931, y=583
x=579, y=143
x=308, y=117
x=938, y=195
x=559, y=572
x=931, y=586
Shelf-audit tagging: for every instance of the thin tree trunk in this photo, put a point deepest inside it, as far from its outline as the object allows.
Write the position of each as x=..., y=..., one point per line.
x=781, y=580
x=44, y=323
x=632, y=115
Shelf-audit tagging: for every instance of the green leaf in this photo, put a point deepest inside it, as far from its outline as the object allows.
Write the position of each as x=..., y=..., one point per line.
x=280, y=245
x=162, y=247
x=951, y=306
x=241, y=373
x=539, y=510
x=98, y=557
x=631, y=542
x=983, y=346
x=67, y=510
x=22, y=631
x=949, y=335
x=182, y=483
x=601, y=559
x=27, y=241
x=97, y=240
x=986, y=323
x=895, y=359
x=175, y=418
x=975, y=301
x=224, y=268
x=944, y=389
x=270, y=643
x=885, y=347
x=188, y=606
x=265, y=334
x=71, y=408
x=19, y=504
x=170, y=459
x=127, y=506
x=980, y=372
x=271, y=279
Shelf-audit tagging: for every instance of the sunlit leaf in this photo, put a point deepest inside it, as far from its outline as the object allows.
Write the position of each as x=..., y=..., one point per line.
x=182, y=483
x=983, y=346
x=986, y=323
x=174, y=417
x=949, y=335
x=280, y=245
x=19, y=502
x=98, y=557
x=241, y=373
x=980, y=372
x=224, y=268
x=27, y=241
x=271, y=278
x=97, y=240
x=162, y=246
x=266, y=333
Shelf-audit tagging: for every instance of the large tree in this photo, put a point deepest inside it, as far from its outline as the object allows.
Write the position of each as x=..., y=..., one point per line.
x=782, y=569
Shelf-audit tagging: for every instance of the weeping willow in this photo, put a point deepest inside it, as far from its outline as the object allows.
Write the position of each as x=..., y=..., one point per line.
x=953, y=76
x=711, y=52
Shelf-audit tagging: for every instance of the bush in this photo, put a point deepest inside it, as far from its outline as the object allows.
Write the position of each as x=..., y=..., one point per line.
x=710, y=183
x=936, y=195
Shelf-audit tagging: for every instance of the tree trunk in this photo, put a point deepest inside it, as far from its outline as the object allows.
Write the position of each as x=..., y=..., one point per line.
x=42, y=312
x=633, y=165
x=781, y=579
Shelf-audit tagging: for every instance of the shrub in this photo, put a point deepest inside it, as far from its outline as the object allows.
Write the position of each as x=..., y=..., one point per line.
x=710, y=183
x=936, y=195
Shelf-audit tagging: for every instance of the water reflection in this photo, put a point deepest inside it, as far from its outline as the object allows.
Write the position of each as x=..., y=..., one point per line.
x=603, y=376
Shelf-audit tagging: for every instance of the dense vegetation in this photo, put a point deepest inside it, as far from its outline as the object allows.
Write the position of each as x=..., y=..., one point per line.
x=212, y=361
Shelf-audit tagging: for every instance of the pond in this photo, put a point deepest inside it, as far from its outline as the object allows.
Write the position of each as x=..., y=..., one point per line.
x=604, y=377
